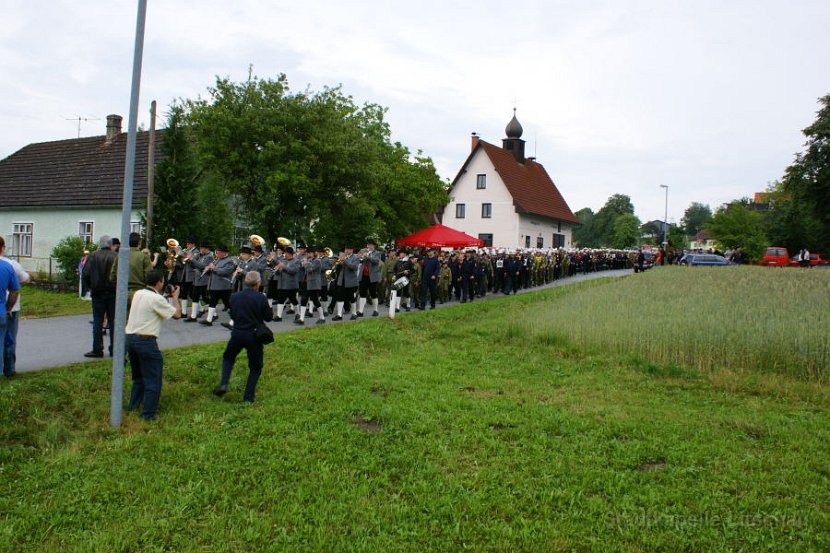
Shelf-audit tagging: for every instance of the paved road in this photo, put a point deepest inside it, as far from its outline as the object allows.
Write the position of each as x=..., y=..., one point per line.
x=58, y=341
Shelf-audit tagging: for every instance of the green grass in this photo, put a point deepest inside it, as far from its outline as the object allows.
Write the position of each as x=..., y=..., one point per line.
x=37, y=303
x=440, y=431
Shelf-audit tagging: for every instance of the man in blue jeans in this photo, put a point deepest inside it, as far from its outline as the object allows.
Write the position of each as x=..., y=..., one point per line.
x=149, y=309
x=9, y=287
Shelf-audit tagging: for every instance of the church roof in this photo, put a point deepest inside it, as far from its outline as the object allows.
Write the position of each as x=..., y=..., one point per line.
x=80, y=172
x=529, y=184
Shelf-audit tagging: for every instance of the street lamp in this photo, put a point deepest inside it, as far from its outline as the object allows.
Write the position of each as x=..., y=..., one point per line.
x=666, y=218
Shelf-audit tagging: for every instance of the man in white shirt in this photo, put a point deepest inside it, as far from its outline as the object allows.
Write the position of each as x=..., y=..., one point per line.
x=13, y=320
x=148, y=310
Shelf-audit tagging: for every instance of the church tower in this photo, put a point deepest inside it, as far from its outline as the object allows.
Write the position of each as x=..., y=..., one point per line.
x=514, y=143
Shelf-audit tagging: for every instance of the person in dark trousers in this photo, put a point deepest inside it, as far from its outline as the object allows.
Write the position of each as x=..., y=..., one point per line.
x=248, y=309
x=429, y=279
x=149, y=310
x=468, y=274
x=96, y=275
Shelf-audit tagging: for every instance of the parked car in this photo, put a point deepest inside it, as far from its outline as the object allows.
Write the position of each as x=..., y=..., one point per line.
x=776, y=256
x=704, y=259
x=648, y=262
x=815, y=259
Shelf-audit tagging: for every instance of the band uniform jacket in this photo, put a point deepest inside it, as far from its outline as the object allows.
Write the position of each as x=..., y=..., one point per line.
x=199, y=263
x=190, y=272
x=349, y=277
x=403, y=267
x=373, y=260
x=287, y=275
x=220, y=276
x=314, y=274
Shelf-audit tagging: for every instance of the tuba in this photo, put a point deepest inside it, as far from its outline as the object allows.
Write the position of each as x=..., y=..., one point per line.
x=284, y=242
x=256, y=240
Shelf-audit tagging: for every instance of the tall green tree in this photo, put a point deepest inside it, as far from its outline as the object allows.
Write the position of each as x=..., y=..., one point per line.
x=626, y=231
x=735, y=225
x=695, y=217
x=603, y=223
x=807, y=184
x=583, y=235
x=312, y=166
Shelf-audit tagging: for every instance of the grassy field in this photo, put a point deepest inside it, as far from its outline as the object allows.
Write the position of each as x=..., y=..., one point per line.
x=37, y=303
x=459, y=429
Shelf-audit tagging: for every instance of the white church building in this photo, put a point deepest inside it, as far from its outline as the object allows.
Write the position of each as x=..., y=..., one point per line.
x=506, y=199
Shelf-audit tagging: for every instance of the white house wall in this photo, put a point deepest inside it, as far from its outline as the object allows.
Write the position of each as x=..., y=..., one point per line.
x=535, y=227
x=52, y=225
x=504, y=222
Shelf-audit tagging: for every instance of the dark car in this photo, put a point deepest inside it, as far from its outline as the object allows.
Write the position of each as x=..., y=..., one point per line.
x=704, y=259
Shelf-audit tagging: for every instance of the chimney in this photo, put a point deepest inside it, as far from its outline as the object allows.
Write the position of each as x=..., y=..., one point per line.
x=474, y=141
x=113, y=126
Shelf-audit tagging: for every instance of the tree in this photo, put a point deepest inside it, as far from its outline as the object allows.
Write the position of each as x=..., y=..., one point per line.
x=583, y=235
x=807, y=184
x=603, y=222
x=312, y=166
x=626, y=231
x=734, y=225
x=68, y=253
x=696, y=216
x=652, y=230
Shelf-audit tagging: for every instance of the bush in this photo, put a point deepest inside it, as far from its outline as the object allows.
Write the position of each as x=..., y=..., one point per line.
x=68, y=252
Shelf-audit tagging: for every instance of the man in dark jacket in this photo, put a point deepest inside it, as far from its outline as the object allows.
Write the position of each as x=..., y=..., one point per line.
x=429, y=279
x=96, y=277
x=468, y=274
x=248, y=309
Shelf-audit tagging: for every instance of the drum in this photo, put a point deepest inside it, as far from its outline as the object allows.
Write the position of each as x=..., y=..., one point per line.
x=400, y=283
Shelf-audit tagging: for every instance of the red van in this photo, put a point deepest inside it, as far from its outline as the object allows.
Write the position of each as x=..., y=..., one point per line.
x=776, y=256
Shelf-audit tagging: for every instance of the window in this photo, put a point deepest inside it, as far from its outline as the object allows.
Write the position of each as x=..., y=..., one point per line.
x=135, y=226
x=85, y=231
x=558, y=240
x=22, y=239
x=540, y=242
x=481, y=182
x=486, y=211
x=527, y=241
x=559, y=227
x=487, y=239
x=459, y=211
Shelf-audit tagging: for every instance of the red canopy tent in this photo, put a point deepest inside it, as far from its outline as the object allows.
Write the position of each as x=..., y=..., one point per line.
x=439, y=236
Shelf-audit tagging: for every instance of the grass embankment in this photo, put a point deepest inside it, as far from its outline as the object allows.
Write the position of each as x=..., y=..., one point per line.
x=37, y=303
x=445, y=430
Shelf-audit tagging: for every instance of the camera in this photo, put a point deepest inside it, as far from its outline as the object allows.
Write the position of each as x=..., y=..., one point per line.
x=168, y=290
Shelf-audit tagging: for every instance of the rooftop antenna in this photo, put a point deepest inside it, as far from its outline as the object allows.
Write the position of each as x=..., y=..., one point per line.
x=78, y=118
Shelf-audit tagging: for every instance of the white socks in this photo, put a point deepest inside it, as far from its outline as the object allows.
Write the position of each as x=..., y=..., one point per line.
x=280, y=307
x=211, y=314
x=302, y=313
x=339, y=309
x=375, y=304
x=194, y=311
x=361, y=304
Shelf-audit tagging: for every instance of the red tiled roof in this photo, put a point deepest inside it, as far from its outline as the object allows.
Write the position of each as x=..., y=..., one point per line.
x=80, y=172
x=531, y=187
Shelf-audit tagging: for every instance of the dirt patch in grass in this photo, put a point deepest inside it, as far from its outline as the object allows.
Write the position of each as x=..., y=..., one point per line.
x=651, y=464
x=371, y=426
x=499, y=426
x=481, y=393
x=379, y=391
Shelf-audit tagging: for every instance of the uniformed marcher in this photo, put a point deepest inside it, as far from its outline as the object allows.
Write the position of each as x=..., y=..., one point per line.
x=287, y=285
x=347, y=281
x=201, y=279
x=369, y=278
x=188, y=275
x=314, y=277
x=220, y=272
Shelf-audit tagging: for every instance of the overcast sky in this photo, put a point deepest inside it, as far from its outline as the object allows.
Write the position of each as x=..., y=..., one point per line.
x=708, y=97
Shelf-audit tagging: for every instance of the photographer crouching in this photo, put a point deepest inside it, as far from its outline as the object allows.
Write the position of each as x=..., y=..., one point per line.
x=149, y=309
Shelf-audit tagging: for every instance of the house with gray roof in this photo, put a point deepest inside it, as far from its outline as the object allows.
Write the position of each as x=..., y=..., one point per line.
x=52, y=190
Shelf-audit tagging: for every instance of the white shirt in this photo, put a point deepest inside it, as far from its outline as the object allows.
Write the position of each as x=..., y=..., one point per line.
x=22, y=276
x=148, y=310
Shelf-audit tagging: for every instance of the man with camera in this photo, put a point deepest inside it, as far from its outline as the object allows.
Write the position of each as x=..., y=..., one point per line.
x=149, y=309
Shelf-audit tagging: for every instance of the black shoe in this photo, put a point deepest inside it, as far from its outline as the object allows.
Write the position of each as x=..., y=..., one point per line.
x=220, y=391
x=375, y=314
x=229, y=326
x=94, y=354
x=353, y=318
x=321, y=321
x=299, y=322
x=422, y=309
x=407, y=308
x=201, y=314
x=360, y=314
x=190, y=320
x=206, y=323
x=337, y=318
x=278, y=319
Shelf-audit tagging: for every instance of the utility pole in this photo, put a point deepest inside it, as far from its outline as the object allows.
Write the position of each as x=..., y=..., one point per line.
x=151, y=171
x=666, y=219
x=117, y=398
